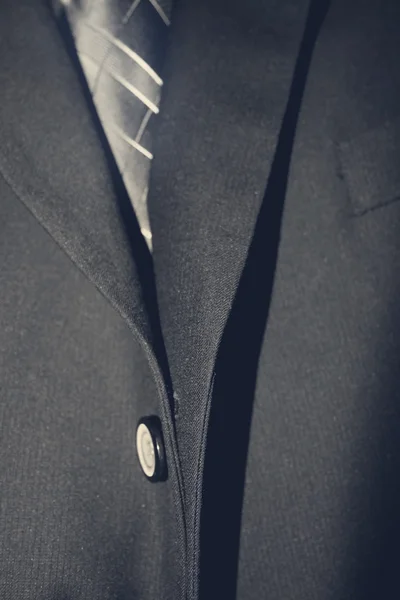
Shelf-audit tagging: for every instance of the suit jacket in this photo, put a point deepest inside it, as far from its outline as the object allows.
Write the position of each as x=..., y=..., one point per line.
x=263, y=330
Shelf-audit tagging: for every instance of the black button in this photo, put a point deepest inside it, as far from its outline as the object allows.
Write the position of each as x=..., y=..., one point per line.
x=150, y=449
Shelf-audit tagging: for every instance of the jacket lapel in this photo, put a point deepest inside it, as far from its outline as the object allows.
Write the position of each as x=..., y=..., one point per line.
x=55, y=156
x=227, y=81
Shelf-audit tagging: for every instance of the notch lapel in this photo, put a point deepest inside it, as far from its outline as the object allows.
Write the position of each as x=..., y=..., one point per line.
x=55, y=157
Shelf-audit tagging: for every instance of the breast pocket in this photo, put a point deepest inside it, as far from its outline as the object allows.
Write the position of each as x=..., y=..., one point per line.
x=370, y=165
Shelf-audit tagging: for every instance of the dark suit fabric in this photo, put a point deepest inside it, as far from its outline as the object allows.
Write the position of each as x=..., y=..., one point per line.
x=263, y=330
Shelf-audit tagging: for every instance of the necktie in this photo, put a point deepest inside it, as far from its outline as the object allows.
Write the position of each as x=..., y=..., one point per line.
x=120, y=46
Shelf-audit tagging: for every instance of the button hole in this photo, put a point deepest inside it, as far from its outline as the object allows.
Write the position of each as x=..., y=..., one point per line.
x=176, y=404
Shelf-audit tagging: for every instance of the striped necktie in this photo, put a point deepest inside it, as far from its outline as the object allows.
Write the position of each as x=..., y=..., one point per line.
x=120, y=45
